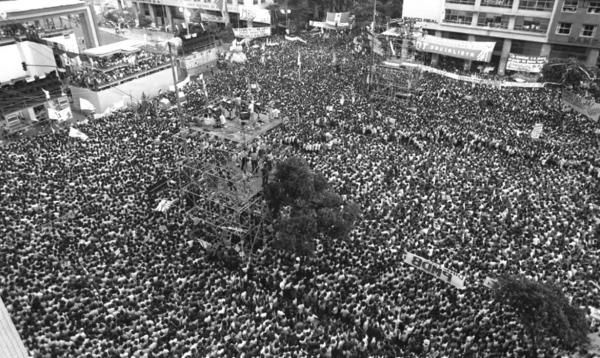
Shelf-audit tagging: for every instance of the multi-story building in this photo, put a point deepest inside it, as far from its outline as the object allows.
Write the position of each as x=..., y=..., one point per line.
x=48, y=19
x=169, y=13
x=547, y=28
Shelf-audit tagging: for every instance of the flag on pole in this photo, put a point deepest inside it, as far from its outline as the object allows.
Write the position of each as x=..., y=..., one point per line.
x=86, y=105
x=53, y=114
x=46, y=93
x=76, y=133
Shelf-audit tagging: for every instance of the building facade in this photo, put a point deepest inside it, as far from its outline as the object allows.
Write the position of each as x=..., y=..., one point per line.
x=170, y=13
x=48, y=19
x=548, y=28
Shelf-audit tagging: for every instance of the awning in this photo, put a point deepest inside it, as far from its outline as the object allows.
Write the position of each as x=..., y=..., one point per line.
x=126, y=46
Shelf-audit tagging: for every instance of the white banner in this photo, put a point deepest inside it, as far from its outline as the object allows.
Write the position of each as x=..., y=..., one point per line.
x=520, y=63
x=252, y=32
x=295, y=38
x=468, y=50
x=435, y=270
x=255, y=14
x=76, y=133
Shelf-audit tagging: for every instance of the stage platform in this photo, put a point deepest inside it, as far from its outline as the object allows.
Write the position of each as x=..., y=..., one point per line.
x=234, y=132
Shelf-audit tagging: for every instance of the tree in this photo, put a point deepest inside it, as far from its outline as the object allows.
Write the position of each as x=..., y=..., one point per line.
x=303, y=208
x=569, y=73
x=543, y=310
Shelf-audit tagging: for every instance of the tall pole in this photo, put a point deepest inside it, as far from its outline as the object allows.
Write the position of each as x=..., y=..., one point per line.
x=175, y=84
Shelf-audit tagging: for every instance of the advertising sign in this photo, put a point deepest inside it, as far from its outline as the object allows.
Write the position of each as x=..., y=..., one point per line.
x=252, y=32
x=520, y=63
x=435, y=270
x=468, y=50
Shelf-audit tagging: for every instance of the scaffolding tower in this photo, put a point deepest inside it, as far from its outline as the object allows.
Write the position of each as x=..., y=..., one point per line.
x=223, y=200
x=395, y=84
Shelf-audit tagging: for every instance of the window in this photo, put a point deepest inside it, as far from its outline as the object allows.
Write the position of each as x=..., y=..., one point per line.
x=458, y=17
x=466, y=2
x=531, y=24
x=240, y=2
x=497, y=3
x=492, y=20
x=588, y=30
x=594, y=7
x=563, y=28
x=570, y=6
x=539, y=5
x=255, y=2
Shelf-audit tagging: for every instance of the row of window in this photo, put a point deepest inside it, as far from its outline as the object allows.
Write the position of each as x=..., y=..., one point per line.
x=564, y=28
x=593, y=6
x=572, y=5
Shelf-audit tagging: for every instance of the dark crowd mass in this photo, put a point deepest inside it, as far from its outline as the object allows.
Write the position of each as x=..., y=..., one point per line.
x=90, y=270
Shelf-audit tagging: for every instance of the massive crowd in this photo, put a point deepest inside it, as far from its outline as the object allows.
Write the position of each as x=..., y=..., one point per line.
x=89, y=270
x=117, y=67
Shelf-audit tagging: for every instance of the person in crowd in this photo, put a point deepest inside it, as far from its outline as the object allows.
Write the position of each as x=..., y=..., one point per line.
x=90, y=270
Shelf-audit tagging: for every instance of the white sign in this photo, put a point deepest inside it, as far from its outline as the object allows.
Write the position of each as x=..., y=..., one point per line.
x=520, y=63
x=252, y=32
x=537, y=131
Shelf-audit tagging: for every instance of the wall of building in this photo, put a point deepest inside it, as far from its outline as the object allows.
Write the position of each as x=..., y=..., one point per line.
x=577, y=19
x=423, y=9
x=102, y=100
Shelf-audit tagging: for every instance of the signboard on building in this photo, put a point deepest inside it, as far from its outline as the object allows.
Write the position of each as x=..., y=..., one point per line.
x=255, y=14
x=252, y=32
x=468, y=50
x=587, y=107
x=435, y=270
x=520, y=63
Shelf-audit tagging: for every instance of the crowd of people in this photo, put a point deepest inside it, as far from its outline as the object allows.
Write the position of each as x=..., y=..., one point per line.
x=105, y=70
x=90, y=270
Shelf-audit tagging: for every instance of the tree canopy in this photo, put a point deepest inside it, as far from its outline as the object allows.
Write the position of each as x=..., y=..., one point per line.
x=543, y=310
x=303, y=207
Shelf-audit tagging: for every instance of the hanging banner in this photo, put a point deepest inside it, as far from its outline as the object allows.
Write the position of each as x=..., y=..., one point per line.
x=435, y=270
x=338, y=19
x=204, y=16
x=255, y=14
x=587, y=107
x=294, y=38
x=520, y=63
x=468, y=50
x=252, y=32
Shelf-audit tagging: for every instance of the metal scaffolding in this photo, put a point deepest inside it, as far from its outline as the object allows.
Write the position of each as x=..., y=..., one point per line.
x=395, y=84
x=223, y=201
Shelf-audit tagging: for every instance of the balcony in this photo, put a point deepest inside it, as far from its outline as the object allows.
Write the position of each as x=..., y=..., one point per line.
x=532, y=28
x=459, y=20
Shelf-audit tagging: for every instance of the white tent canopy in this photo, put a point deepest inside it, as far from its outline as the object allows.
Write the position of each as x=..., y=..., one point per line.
x=11, y=345
x=117, y=47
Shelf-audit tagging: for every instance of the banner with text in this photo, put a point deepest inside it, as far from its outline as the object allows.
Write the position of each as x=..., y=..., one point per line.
x=435, y=270
x=204, y=16
x=468, y=50
x=587, y=107
x=520, y=63
x=338, y=19
x=252, y=32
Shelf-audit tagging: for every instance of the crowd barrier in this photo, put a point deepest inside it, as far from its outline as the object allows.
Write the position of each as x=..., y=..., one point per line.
x=470, y=79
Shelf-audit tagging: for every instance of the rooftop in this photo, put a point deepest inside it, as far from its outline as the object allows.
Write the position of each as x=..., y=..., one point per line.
x=7, y=7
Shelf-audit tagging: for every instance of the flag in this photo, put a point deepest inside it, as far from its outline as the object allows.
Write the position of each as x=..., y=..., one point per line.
x=46, y=93
x=342, y=100
x=334, y=58
x=164, y=205
x=392, y=47
x=76, y=133
x=86, y=105
x=537, y=131
x=299, y=60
